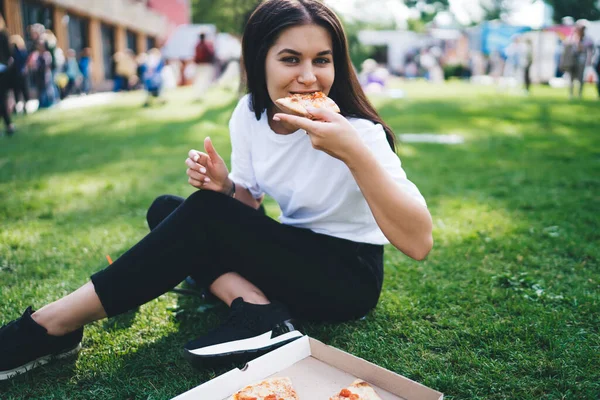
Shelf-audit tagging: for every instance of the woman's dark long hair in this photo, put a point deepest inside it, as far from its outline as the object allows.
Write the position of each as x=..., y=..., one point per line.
x=262, y=30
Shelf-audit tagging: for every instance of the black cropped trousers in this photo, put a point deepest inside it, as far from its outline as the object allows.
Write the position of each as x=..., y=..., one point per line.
x=318, y=277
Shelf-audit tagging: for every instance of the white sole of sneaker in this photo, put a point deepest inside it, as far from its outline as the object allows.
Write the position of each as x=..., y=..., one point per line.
x=251, y=344
x=36, y=363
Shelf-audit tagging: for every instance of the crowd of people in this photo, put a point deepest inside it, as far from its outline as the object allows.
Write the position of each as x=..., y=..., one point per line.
x=42, y=64
x=576, y=58
x=40, y=67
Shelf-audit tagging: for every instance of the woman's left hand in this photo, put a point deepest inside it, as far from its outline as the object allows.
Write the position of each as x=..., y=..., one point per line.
x=330, y=132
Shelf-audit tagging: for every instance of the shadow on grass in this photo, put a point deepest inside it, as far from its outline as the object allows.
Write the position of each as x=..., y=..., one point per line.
x=53, y=154
x=122, y=321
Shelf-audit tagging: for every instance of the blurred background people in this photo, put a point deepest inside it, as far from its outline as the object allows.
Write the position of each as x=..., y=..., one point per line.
x=125, y=70
x=141, y=60
x=411, y=70
x=526, y=60
x=6, y=66
x=230, y=79
x=204, y=57
x=373, y=77
x=35, y=34
x=577, y=54
x=151, y=72
x=72, y=73
x=19, y=83
x=57, y=60
x=85, y=67
x=597, y=68
x=495, y=65
x=41, y=67
x=511, y=72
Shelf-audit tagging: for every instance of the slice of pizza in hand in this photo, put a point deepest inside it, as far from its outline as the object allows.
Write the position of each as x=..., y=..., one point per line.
x=269, y=389
x=358, y=390
x=297, y=103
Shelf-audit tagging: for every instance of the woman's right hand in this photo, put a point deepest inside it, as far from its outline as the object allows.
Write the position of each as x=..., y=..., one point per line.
x=207, y=170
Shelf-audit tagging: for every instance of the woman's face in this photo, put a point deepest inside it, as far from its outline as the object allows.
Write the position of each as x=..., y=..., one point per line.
x=300, y=61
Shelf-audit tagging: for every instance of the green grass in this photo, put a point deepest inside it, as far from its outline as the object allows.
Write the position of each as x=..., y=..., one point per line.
x=506, y=306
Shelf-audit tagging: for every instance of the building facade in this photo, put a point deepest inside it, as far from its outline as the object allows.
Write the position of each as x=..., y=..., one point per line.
x=105, y=26
x=177, y=12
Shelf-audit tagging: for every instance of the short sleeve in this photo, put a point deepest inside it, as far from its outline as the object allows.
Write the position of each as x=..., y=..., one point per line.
x=375, y=138
x=242, y=172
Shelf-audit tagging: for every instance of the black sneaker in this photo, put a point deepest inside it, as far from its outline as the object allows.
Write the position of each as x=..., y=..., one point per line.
x=249, y=331
x=25, y=345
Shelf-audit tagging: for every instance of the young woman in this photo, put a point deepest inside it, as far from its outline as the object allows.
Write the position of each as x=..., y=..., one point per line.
x=338, y=181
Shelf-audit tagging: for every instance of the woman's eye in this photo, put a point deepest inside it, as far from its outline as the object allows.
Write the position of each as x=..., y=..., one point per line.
x=322, y=61
x=291, y=60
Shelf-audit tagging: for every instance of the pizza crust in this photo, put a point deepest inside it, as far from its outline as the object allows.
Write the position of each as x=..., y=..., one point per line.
x=269, y=389
x=296, y=104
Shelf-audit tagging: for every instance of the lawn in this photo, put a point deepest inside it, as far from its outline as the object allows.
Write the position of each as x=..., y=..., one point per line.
x=506, y=306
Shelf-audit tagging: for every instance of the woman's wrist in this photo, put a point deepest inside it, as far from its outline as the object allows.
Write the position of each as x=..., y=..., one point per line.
x=352, y=156
x=229, y=188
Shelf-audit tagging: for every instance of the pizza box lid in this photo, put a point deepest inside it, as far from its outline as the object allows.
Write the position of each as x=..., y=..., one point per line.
x=317, y=371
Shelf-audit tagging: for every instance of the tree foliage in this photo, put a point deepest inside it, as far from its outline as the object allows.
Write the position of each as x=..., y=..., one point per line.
x=438, y=4
x=494, y=9
x=578, y=9
x=228, y=15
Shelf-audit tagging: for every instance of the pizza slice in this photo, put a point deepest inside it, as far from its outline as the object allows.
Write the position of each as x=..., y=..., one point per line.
x=269, y=389
x=358, y=390
x=297, y=103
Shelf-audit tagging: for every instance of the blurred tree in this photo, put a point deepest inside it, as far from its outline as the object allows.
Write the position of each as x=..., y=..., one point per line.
x=416, y=25
x=494, y=9
x=428, y=9
x=439, y=5
x=228, y=15
x=578, y=9
x=358, y=51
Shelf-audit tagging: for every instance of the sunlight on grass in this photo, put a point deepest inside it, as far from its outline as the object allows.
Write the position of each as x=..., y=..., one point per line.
x=466, y=218
x=15, y=236
x=405, y=150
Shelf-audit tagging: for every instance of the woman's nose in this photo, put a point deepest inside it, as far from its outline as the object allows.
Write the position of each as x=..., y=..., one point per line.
x=307, y=76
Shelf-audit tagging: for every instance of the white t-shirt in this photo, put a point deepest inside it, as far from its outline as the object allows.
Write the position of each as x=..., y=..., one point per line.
x=313, y=189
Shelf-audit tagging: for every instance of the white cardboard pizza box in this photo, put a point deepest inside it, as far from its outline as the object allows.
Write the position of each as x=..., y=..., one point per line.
x=317, y=371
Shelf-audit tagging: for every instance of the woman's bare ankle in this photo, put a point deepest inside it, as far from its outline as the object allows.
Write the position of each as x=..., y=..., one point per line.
x=231, y=285
x=255, y=298
x=71, y=312
x=52, y=327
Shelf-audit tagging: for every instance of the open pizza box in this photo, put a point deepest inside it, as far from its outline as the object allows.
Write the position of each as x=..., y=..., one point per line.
x=317, y=371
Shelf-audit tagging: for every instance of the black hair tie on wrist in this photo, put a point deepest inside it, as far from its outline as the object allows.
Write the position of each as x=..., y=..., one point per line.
x=232, y=192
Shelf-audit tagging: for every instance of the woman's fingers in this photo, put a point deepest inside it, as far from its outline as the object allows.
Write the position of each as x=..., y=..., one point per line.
x=195, y=183
x=193, y=154
x=199, y=157
x=299, y=122
x=192, y=173
x=210, y=149
x=194, y=165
